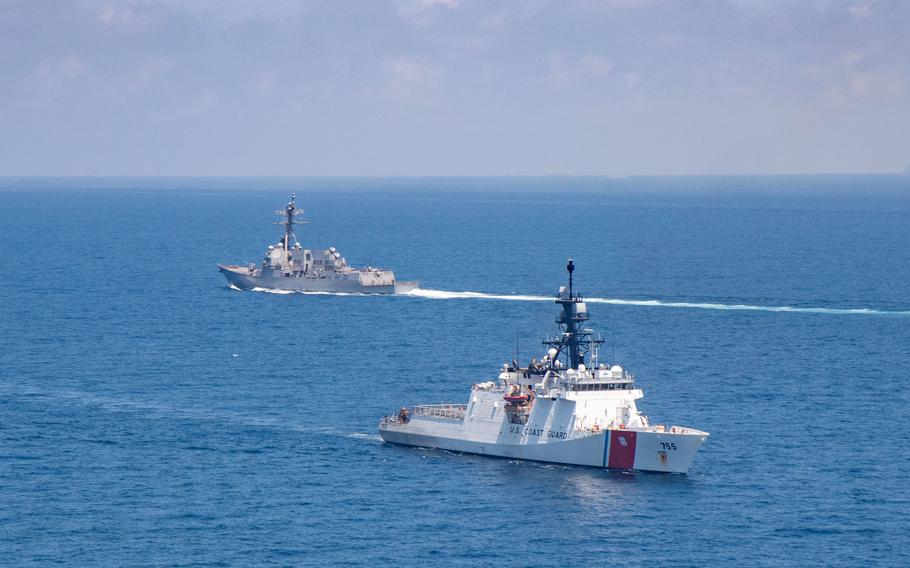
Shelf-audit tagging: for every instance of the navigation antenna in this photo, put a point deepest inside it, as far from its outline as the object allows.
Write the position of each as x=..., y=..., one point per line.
x=571, y=268
x=517, y=358
x=613, y=333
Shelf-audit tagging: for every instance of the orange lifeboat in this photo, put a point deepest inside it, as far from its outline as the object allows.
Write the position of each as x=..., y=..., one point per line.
x=516, y=398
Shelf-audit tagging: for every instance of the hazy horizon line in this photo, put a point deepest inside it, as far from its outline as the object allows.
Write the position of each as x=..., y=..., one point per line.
x=897, y=173
x=894, y=185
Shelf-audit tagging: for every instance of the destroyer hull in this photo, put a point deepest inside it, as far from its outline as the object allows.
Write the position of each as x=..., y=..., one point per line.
x=641, y=450
x=243, y=279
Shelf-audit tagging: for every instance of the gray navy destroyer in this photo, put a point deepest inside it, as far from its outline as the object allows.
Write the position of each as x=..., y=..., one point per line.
x=289, y=266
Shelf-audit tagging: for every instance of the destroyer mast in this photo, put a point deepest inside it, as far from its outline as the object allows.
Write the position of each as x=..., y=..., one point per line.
x=288, y=221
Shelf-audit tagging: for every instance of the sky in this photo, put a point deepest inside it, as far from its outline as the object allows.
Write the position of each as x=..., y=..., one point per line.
x=453, y=87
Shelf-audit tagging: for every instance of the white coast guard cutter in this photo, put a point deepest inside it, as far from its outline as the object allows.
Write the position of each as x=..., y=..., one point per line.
x=559, y=410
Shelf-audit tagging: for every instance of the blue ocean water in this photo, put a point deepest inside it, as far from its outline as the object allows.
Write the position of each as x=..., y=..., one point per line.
x=150, y=415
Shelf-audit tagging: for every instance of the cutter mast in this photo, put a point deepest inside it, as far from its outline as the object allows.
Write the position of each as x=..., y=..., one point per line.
x=575, y=342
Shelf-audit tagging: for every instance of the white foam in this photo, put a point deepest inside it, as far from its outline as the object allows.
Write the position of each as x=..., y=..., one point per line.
x=448, y=295
x=362, y=436
x=272, y=291
x=304, y=292
x=468, y=295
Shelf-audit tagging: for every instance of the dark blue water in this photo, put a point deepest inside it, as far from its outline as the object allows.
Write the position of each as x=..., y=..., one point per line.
x=151, y=416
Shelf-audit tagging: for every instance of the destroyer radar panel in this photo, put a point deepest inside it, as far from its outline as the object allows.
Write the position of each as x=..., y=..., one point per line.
x=289, y=266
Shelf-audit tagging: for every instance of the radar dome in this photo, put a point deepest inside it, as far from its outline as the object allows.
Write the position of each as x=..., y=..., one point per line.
x=616, y=371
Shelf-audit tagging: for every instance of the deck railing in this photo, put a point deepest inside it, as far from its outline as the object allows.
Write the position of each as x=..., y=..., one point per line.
x=447, y=411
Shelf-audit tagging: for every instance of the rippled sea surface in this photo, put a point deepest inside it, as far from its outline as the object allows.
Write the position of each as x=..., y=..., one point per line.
x=150, y=415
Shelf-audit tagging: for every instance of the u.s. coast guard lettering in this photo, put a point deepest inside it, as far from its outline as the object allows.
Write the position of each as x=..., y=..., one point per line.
x=537, y=432
x=569, y=407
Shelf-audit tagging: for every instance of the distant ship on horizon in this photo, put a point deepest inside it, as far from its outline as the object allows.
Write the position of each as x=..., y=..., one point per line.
x=289, y=266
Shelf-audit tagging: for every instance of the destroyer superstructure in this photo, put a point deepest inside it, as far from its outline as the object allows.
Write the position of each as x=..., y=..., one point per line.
x=568, y=408
x=289, y=266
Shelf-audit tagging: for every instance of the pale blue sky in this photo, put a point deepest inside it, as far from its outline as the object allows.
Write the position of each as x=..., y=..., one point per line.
x=453, y=87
